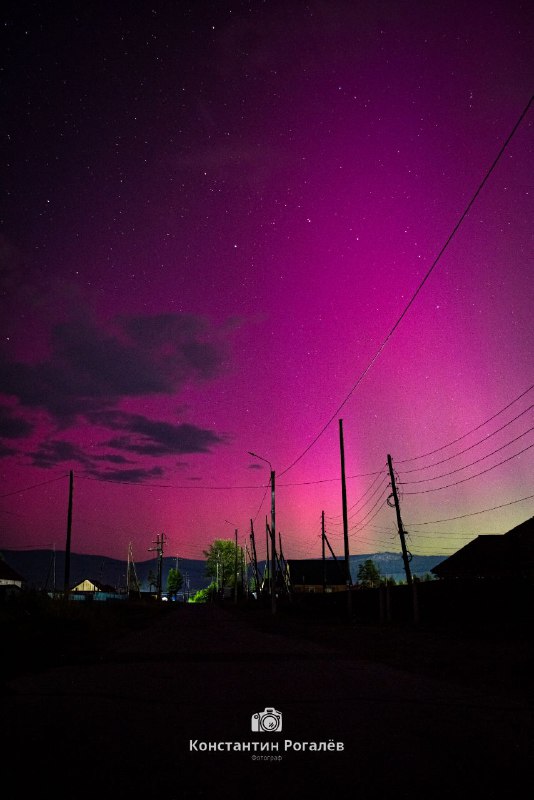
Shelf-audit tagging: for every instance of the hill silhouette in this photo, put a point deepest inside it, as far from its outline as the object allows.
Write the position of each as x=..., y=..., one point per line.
x=38, y=568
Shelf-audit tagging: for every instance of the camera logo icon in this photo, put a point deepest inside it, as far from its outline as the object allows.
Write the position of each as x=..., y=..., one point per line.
x=267, y=721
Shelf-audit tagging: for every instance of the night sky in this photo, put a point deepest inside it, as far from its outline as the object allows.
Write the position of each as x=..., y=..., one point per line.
x=213, y=215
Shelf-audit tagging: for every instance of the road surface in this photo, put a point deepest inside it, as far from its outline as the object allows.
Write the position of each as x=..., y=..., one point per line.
x=151, y=718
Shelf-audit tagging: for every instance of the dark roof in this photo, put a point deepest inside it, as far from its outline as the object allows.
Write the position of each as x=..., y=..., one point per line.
x=524, y=530
x=309, y=572
x=493, y=556
x=7, y=573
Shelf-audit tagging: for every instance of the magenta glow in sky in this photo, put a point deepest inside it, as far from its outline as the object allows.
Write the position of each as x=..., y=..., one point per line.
x=212, y=219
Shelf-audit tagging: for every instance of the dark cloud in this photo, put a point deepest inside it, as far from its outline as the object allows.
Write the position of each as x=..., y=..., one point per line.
x=181, y=343
x=157, y=330
x=153, y=438
x=50, y=454
x=6, y=451
x=91, y=368
x=129, y=475
x=12, y=427
x=112, y=459
x=255, y=466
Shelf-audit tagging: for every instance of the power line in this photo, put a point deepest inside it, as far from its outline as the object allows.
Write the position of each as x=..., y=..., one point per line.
x=386, y=541
x=369, y=498
x=167, y=485
x=335, y=516
x=472, y=513
x=359, y=510
x=261, y=504
x=460, y=452
x=35, y=485
x=434, y=536
x=332, y=480
x=478, y=460
x=470, y=478
x=142, y=484
x=359, y=526
x=375, y=541
x=459, y=439
x=415, y=294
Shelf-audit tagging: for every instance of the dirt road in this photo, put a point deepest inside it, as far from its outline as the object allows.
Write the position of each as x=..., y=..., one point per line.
x=151, y=718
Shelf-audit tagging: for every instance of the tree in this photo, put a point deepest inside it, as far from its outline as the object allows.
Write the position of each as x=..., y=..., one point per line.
x=220, y=562
x=174, y=582
x=369, y=574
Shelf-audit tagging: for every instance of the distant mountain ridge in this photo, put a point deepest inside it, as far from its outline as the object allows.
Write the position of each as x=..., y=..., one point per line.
x=37, y=568
x=391, y=565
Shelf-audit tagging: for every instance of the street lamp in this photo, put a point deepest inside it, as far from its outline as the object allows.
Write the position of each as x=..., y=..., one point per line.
x=273, y=533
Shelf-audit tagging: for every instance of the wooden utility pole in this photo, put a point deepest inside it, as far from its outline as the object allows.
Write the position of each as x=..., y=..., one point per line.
x=273, y=547
x=69, y=530
x=345, y=520
x=406, y=557
x=323, y=551
x=282, y=566
x=131, y=574
x=395, y=496
x=159, y=550
x=266, y=569
x=235, y=568
x=273, y=533
x=254, y=556
x=246, y=559
x=341, y=569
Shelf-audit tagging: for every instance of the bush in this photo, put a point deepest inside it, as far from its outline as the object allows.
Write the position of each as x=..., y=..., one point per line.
x=204, y=595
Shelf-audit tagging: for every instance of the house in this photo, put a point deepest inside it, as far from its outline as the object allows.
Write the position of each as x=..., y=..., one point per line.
x=316, y=575
x=10, y=580
x=90, y=589
x=88, y=585
x=508, y=555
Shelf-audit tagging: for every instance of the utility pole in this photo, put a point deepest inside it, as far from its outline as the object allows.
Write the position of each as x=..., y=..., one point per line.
x=323, y=552
x=406, y=556
x=246, y=559
x=235, y=569
x=131, y=574
x=266, y=570
x=273, y=547
x=159, y=550
x=345, y=520
x=281, y=559
x=282, y=564
x=394, y=495
x=284, y=571
x=333, y=554
x=69, y=530
x=273, y=532
x=253, y=543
